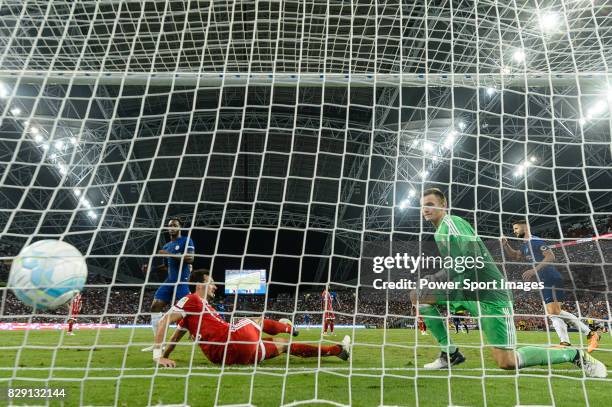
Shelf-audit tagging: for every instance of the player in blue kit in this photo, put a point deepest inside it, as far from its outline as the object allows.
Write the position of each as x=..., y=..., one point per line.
x=534, y=250
x=178, y=258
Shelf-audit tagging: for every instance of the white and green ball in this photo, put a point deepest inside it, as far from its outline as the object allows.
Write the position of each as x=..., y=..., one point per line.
x=47, y=274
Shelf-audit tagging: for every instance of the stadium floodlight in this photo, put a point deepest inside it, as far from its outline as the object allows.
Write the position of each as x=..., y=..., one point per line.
x=92, y=214
x=411, y=193
x=596, y=109
x=462, y=125
x=63, y=169
x=39, y=138
x=428, y=146
x=44, y=146
x=549, y=22
x=34, y=130
x=53, y=156
x=424, y=174
x=73, y=141
x=59, y=144
x=415, y=143
x=490, y=91
x=4, y=91
x=518, y=56
x=404, y=204
x=77, y=192
x=15, y=111
x=85, y=202
x=450, y=139
x=533, y=159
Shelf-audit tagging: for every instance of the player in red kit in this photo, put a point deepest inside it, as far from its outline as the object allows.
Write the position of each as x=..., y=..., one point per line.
x=422, y=326
x=75, y=308
x=221, y=342
x=328, y=312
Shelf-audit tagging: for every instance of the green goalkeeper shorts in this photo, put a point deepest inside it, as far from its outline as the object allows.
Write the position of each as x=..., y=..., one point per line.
x=495, y=318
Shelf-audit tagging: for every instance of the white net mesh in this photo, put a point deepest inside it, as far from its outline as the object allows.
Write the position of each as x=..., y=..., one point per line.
x=286, y=136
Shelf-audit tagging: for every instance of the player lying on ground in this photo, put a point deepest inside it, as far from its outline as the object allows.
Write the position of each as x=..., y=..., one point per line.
x=223, y=343
x=535, y=251
x=455, y=238
x=178, y=272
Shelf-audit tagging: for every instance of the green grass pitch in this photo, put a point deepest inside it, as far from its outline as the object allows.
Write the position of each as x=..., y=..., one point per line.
x=116, y=372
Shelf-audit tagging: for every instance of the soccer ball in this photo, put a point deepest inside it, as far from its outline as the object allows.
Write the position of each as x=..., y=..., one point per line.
x=47, y=274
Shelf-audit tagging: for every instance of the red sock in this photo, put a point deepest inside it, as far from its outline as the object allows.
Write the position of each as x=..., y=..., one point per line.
x=325, y=326
x=311, y=351
x=272, y=327
x=70, y=326
x=331, y=326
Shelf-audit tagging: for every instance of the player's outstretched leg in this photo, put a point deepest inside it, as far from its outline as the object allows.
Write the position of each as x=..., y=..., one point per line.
x=534, y=356
x=592, y=336
x=277, y=346
x=273, y=327
x=157, y=307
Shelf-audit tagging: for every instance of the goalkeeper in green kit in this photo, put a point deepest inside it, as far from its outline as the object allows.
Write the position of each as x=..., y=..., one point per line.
x=456, y=238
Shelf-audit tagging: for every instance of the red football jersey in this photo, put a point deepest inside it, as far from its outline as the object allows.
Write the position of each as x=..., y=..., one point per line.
x=76, y=305
x=328, y=309
x=204, y=324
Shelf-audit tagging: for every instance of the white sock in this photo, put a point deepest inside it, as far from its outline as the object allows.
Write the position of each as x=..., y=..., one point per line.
x=155, y=317
x=578, y=324
x=561, y=328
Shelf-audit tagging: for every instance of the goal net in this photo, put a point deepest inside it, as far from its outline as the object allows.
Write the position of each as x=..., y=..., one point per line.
x=295, y=139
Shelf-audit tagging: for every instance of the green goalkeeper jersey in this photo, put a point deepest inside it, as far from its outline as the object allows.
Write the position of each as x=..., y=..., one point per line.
x=456, y=239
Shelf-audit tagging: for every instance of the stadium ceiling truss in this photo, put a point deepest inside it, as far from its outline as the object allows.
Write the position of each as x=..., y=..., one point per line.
x=354, y=49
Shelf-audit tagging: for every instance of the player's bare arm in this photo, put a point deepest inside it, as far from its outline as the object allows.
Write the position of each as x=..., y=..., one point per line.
x=176, y=338
x=166, y=320
x=512, y=253
x=549, y=258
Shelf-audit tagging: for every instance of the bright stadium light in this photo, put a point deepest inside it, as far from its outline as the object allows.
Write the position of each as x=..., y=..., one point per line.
x=490, y=91
x=450, y=139
x=549, y=22
x=62, y=169
x=45, y=146
x=34, y=130
x=85, y=202
x=462, y=125
x=38, y=138
x=596, y=109
x=424, y=174
x=92, y=214
x=404, y=204
x=411, y=193
x=533, y=159
x=15, y=111
x=53, y=156
x=428, y=146
x=77, y=192
x=73, y=141
x=59, y=144
x=4, y=91
x=518, y=56
x=415, y=143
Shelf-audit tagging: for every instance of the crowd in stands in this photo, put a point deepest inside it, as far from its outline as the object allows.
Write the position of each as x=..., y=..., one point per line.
x=119, y=304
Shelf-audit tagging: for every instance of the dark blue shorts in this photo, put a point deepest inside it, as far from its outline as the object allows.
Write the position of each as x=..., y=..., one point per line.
x=553, y=288
x=166, y=292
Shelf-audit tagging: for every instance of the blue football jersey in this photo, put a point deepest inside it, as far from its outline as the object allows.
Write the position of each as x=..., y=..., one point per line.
x=182, y=245
x=533, y=251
